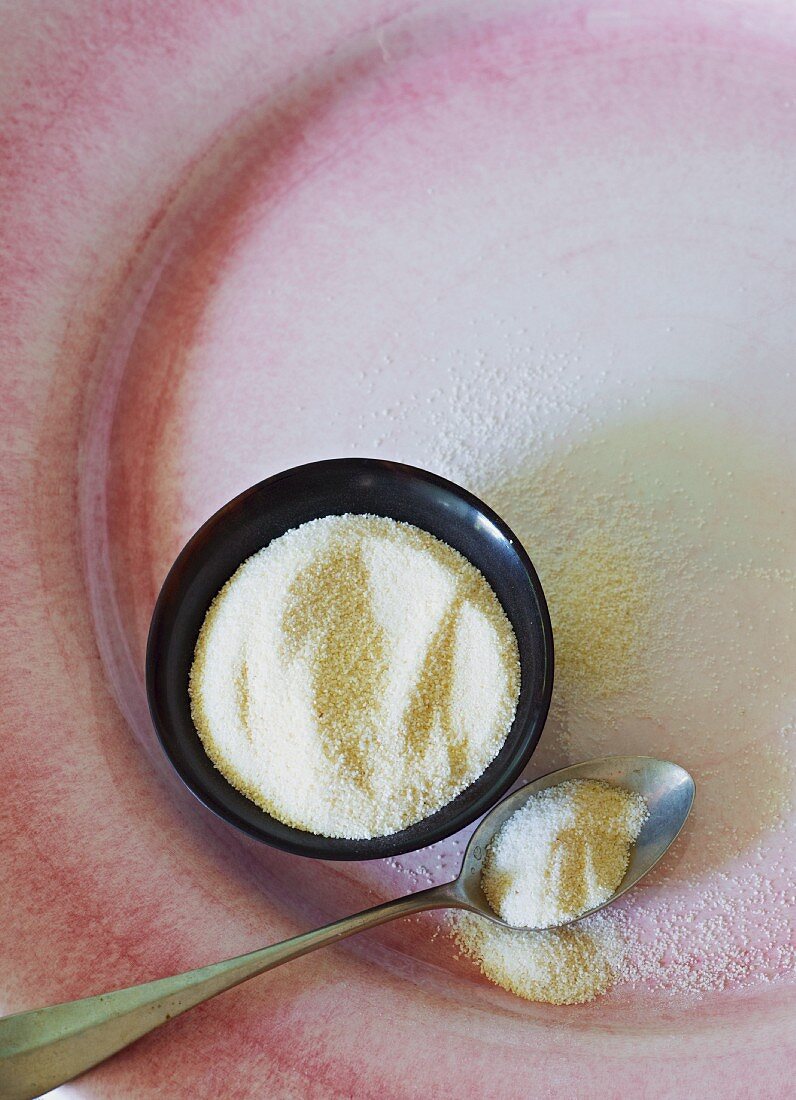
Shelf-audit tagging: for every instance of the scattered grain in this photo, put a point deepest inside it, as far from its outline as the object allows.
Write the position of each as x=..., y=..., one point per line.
x=562, y=966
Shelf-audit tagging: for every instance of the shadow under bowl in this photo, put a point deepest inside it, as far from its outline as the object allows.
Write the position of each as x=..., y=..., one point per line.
x=268, y=510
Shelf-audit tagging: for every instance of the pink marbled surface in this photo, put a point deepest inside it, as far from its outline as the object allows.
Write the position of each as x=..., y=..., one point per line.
x=238, y=236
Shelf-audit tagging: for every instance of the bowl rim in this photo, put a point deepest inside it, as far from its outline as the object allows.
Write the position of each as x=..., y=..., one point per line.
x=533, y=729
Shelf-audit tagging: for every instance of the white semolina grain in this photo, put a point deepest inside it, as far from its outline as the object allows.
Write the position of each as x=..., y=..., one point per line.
x=354, y=676
x=564, y=852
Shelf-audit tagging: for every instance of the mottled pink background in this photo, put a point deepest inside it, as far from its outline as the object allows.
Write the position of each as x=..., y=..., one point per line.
x=237, y=236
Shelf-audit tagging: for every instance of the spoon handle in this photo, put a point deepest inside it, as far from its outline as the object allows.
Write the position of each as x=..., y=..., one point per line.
x=48, y=1046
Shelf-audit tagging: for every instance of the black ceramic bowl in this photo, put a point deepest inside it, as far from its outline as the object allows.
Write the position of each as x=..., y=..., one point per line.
x=262, y=513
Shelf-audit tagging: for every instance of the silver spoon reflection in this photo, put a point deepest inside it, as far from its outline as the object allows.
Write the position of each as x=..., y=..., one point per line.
x=46, y=1047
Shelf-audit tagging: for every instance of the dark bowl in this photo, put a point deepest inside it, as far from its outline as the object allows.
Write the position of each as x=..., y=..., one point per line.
x=262, y=513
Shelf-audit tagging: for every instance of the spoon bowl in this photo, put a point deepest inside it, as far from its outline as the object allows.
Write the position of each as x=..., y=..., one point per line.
x=667, y=789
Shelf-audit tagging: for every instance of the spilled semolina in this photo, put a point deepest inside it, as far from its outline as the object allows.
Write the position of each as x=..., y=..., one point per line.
x=562, y=966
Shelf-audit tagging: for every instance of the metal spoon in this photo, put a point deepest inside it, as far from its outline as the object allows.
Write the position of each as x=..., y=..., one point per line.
x=46, y=1047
